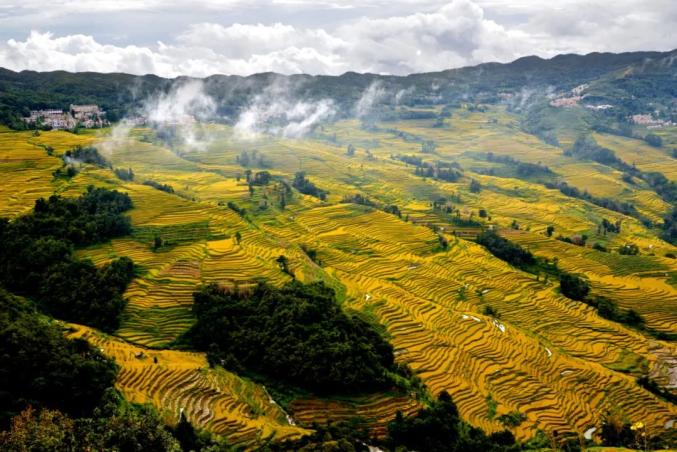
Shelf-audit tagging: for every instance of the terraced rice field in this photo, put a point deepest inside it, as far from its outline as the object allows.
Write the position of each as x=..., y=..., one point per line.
x=27, y=169
x=629, y=280
x=545, y=345
x=182, y=382
x=550, y=358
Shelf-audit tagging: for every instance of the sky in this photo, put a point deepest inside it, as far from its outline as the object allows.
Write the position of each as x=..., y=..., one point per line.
x=204, y=37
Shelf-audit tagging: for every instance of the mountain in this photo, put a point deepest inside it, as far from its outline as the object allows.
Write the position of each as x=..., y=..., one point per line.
x=120, y=93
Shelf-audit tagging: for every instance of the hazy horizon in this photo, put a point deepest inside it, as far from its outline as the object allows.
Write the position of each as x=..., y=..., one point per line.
x=233, y=37
x=341, y=74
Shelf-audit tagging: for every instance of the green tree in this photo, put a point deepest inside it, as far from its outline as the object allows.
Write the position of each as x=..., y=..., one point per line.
x=654, y=140
x=297, y=334
x=41, y=368
x=157, y=242
x=573, y=287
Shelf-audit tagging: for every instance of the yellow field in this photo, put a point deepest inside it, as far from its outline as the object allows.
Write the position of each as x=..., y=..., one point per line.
x=550, y=358
x=27, y=169
x=212, y=399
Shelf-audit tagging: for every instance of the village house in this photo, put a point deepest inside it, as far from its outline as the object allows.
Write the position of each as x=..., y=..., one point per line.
x=88, y=115
x=55, y=119
x=78, y=115
x=650, y=122
x=565, y=102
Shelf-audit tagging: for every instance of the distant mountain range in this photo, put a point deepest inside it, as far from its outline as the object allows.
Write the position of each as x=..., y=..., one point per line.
x=647, y=76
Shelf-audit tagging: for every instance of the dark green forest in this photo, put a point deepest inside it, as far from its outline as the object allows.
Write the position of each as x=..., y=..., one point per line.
x=36, y=259
x=297, y=334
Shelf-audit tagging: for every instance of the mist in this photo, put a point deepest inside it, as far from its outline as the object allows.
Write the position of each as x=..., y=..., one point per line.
x=280, y=111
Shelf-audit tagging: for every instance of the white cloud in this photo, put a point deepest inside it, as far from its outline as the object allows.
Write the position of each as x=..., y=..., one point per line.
x=77, y=53
x=371, y=96
x=279, y=111
x=398, y=37
x=184, y=99
x=241, y=41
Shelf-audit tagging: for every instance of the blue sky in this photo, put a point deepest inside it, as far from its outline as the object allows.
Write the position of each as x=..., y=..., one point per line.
x=204, y=37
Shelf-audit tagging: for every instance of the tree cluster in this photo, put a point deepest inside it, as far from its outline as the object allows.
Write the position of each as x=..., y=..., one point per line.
x=393, y=209
x=360, y=199
x=241, y=211
x=506, y=250
x=158, y=186
x=574, y=287
x=37, y=260
x=440, y=428
x=670, y=226
x=115, y=426
x=87, y=154
x=302, y=184
x=438, y=172
x=576, y=239
x=653, y=140
x=255, y=158
x=607, y=203
x=41, y=368
x=297, y=334
x=608, y=226
x=585, y=147
x=523, y=169
x=260, y=178
x=629, y=249
x=124, y=174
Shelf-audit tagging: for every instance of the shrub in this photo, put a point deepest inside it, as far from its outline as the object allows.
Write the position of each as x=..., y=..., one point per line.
x=506, y=250
x=574, y=287
x=629, y=249
x=302, y=184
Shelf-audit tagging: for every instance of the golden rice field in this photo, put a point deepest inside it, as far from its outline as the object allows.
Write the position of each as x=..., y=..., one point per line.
x=182, y=382
x=27, y=169
x=552, y=359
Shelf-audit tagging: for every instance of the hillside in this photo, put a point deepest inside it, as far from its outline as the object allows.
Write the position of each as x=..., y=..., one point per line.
x=388, y=213
x=120, y=94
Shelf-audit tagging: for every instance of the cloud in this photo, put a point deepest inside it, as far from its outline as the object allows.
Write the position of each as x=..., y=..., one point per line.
x=371, y=96
x=279, y=111
x=185, y=100
x=395, y=37
x=76, y=53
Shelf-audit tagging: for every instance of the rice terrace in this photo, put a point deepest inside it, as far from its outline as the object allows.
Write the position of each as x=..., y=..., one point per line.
x=469, y=259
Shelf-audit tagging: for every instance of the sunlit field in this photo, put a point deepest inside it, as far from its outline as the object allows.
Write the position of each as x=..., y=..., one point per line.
x=552, y=360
